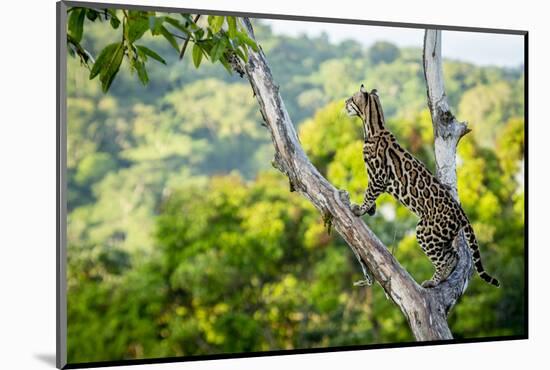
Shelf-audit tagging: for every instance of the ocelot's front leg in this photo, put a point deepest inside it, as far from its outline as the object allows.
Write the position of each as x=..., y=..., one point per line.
x=373, y=191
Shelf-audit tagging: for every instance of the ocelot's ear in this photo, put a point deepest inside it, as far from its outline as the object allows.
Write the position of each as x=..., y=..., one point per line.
x=363, y=90
x=374, y=92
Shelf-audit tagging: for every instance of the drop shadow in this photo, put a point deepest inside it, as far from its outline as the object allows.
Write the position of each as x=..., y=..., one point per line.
x=47, y=358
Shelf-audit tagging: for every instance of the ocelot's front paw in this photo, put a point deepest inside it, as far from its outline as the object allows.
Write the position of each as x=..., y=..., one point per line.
x=357, y=210
x=372, y=210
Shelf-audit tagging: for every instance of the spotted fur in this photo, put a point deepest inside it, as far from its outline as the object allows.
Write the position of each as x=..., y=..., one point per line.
x=393, y=170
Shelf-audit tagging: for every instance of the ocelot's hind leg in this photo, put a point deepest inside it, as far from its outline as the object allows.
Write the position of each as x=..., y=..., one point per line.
x=439, y=250
x=443, y=269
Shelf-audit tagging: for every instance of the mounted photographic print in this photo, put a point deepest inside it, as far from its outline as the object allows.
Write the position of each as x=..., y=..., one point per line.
x=235, y=185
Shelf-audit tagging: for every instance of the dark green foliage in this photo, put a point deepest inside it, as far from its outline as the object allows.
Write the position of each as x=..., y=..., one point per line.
x=383, y=52
x=197, y=55
x=93, y=167
x=182, y=238
x=75, y=23
x=103, y=58
x=111, y=66
x=211, y=41
x=149, y=53
x=137, y=23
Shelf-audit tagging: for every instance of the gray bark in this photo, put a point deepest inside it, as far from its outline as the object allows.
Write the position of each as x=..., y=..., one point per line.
x=424, y=309
x=447, y=133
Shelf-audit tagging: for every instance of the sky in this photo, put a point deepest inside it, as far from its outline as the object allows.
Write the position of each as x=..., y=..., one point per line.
x=479, y=48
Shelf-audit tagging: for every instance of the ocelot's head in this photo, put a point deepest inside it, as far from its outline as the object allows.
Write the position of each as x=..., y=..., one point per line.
x=366, y=105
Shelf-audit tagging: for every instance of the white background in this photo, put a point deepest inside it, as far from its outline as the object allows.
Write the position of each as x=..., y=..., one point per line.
x=27, y=182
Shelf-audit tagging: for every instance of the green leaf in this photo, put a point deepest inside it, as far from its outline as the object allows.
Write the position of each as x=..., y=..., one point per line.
x=211, y=19
x=138, y=24
x=76, y=23
x=155, y=23
x=168, y=36
x=145, y=50
x=232, y=23
x=197, y=55
x=92, y=14
x=226, y=64
x=218, y=49
x=111, y=67
x=177, y=24
x=199, y=34
x=242, y=53
x=216, y=23
x=187, y=17
x=102, y=59
x=190, y=22
x=243, y=37
x=142, y=73
x=115, y=22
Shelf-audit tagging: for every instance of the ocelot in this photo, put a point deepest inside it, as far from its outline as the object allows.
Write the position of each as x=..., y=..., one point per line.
x=394, y=170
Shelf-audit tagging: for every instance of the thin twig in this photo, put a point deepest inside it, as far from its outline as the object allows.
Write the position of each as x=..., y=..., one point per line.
x=105, y=13
x=84, y=55
x=188, y=38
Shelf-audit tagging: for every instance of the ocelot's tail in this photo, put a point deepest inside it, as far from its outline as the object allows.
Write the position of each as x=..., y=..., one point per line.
x=472, y=243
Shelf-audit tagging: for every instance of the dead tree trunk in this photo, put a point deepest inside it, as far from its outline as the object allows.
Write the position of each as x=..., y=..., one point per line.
x=425, y=309
x=447, y=133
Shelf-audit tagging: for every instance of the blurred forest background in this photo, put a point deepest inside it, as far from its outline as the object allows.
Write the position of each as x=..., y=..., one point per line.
x=183, y=240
